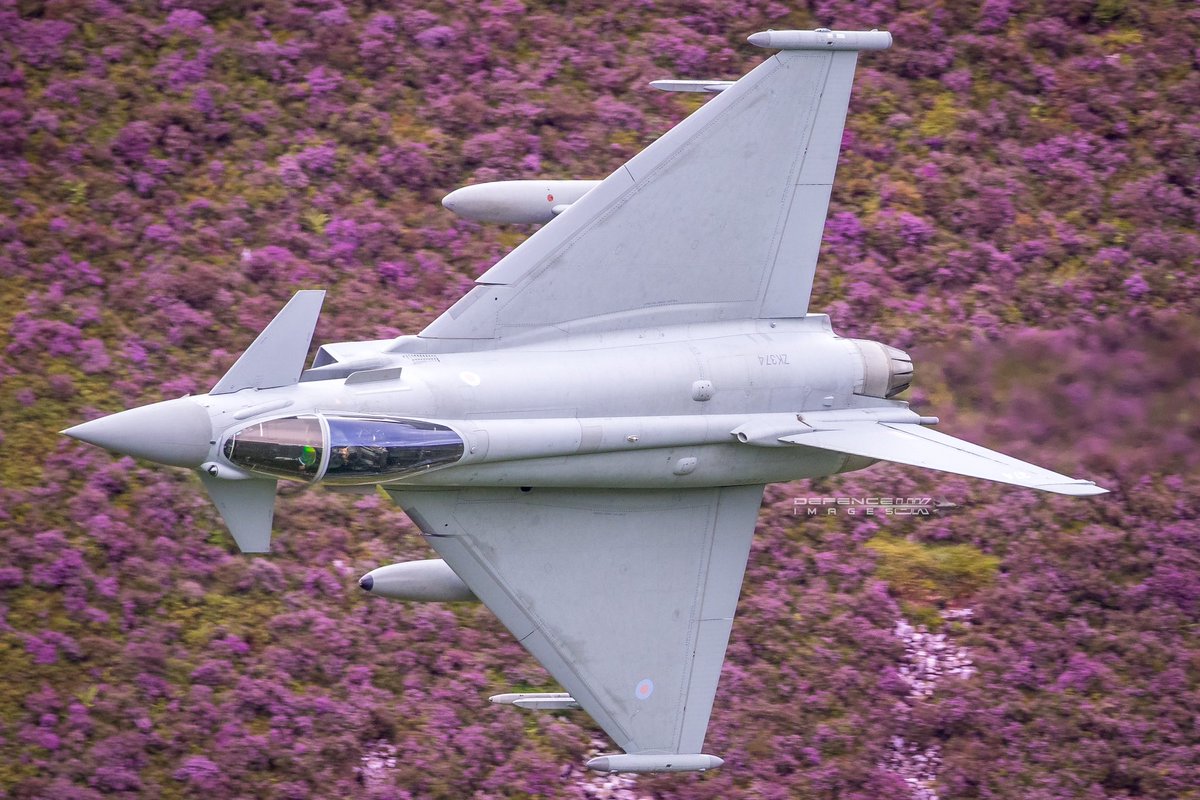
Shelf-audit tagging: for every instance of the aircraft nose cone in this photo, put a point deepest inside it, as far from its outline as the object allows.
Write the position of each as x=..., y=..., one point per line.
x=366, y=583
x=176, y=432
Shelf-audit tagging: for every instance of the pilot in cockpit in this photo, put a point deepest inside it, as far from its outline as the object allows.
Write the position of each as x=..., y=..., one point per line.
x=359, y=458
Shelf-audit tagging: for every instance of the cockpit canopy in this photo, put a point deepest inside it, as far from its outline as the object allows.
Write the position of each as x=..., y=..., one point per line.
x=343, y=450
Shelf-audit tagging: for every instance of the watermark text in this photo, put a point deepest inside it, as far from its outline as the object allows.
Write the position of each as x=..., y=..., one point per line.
x=868, y=506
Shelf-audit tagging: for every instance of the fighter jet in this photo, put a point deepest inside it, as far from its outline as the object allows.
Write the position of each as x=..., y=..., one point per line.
x=585, y=436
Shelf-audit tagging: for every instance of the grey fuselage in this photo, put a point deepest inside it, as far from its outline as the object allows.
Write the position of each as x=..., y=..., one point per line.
x=638, y=409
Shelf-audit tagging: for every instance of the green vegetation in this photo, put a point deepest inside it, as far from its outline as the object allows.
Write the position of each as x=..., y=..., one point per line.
x=923, y=574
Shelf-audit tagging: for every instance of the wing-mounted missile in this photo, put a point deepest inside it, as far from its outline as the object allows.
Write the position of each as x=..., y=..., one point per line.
x=537, y=701
x=707, y=87
x=516, y=201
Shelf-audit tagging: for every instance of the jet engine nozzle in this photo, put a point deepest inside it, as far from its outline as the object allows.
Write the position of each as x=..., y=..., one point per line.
x=175, y=432
x=886, y=371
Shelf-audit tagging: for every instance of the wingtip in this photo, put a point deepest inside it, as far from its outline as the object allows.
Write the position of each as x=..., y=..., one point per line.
x=822, y=39
x=639, y=762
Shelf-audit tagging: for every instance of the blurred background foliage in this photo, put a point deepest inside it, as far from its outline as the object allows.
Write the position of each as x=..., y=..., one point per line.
x=1016, y=205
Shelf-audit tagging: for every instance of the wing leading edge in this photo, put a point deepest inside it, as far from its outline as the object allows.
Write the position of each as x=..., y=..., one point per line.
x=720, y=218
x=625, y=597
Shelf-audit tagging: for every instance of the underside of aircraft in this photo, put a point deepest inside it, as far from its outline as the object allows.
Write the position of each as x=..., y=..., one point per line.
x=585, y=436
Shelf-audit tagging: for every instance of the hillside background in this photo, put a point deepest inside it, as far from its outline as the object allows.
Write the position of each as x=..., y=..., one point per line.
x=1016, y=206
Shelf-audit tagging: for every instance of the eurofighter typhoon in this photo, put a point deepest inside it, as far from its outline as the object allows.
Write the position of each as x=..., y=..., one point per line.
x=585, y=436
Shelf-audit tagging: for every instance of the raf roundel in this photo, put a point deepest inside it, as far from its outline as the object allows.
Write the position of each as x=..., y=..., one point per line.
x=644, y=689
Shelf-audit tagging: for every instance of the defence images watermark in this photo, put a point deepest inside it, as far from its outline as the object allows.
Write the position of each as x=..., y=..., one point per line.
x=870, y=506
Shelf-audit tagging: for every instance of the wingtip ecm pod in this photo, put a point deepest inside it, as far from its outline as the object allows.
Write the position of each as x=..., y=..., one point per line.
x=821, y=39
x=638, y=762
